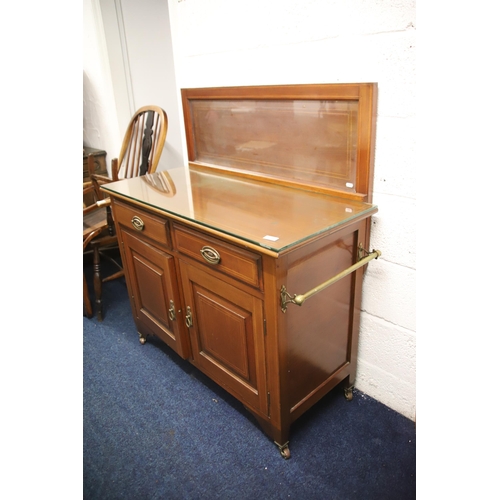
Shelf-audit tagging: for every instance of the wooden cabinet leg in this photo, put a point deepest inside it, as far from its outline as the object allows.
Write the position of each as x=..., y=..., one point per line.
x=276, y=434
x=348, y=388
x=348, y=392
x=284, y=450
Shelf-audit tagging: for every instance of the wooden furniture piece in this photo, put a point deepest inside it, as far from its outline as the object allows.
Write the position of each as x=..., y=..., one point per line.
x=142, y=145
x=100, y=162
x=98, y=156
x=140, y=153
x=250, y=263
x=95, y=224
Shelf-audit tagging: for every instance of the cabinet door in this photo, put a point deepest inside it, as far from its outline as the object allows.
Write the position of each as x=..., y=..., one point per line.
x=226, y=328
x=154, y=293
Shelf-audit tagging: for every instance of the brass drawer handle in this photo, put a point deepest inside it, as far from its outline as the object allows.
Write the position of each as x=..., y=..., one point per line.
x=137, y=223
x=211, y=255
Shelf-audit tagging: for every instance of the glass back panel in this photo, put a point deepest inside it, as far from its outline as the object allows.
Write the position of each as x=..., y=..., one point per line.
x=307, y=141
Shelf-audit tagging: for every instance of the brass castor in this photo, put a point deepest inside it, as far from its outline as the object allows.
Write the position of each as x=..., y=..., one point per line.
x=284, y=450
x=142, y=339
x=348, y=393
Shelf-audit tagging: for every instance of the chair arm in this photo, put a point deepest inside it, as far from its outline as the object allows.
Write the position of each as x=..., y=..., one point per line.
x=87, y=188
x=102, y=178
x=104, y=241
x=104, y=203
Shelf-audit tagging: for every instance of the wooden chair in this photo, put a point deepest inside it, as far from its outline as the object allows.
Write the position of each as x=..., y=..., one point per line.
x=142, y=145
x=95, y=223
x=140, y=153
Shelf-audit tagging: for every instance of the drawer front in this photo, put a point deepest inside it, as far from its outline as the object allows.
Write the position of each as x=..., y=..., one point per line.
x=240, y=264
x=141, y=222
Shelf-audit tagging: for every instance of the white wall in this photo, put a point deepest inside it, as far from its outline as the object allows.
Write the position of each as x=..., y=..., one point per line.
x=224, y=42
x=129, y=51
x=100, y=125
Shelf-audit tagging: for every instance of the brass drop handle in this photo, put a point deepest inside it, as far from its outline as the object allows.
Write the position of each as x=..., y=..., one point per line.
x=189, y=318
x=138, y=223
x=211, y=255
x=171, y=311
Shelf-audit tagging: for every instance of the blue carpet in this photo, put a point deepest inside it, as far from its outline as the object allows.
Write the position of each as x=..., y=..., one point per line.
x=157, y=428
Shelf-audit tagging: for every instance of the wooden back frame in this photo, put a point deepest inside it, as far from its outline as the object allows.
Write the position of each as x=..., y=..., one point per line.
x=142, y=144
x=365, y=94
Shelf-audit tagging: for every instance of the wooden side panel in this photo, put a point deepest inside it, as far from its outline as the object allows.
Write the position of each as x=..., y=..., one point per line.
x=322, y=333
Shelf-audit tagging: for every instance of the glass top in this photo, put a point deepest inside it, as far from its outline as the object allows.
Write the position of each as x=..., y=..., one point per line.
x=264, y=214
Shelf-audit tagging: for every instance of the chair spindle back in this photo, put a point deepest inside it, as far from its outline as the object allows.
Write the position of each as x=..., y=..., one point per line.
x=143, y=143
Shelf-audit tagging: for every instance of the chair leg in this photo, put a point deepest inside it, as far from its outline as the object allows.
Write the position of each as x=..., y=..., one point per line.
x=97, y=282
x=86, y=299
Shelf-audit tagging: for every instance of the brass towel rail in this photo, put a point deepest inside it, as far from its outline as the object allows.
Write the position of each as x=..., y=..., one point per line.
x=298, y=300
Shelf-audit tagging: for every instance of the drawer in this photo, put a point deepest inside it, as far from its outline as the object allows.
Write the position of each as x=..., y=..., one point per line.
x=141, y=222
x=229, y=259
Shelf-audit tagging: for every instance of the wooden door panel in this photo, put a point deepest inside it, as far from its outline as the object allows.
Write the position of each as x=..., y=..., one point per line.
x=152, y=279
x=227, y=335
